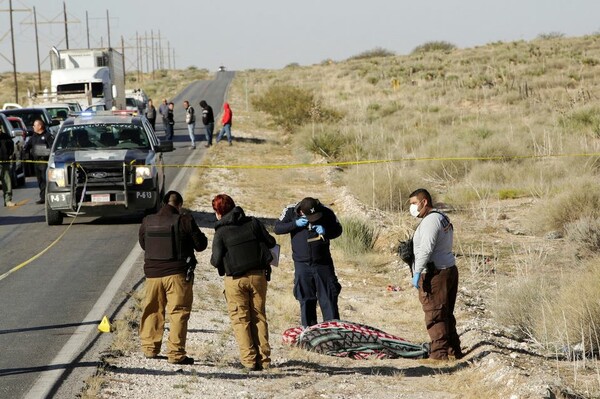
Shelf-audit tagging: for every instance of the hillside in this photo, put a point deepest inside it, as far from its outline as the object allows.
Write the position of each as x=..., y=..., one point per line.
x=506, y=138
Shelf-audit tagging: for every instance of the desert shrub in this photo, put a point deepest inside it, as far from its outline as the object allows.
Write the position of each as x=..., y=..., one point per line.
x=434, y=46
x=573, y=314
x=373, y=53
x=358, y=237
x=584, y=233
x=571, y=204
x=291, y=107
x=509, y=193
x=518, y=304
x=326, y=143
x=550, y=36
x=292, y=65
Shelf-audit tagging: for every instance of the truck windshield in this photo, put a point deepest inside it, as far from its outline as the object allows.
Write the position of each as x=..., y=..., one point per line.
x=80, y=88
x=118, y=136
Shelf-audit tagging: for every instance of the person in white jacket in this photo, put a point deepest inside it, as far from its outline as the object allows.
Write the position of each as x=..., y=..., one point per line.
x=435, y=275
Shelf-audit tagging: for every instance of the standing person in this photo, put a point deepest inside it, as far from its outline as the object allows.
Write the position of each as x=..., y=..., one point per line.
x=40, y=144
x=163, y=110
x=7, y=152
x=435, y=275
x=226, y=120
x=240, y=252
x=170, y=132
x=311, y=226
x=169, y=239
x=208, y=119
x=190, y=120
x=151, y=113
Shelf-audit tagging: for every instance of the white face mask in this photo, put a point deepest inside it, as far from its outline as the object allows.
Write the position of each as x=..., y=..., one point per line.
x=414, y=210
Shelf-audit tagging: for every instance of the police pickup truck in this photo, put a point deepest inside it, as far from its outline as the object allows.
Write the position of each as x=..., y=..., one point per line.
x=105, y=164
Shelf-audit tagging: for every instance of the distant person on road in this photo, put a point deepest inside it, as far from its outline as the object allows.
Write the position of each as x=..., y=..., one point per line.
x=312, y=226
x=226, y=120
x=163, y=110
x=208, y=119
x=435, y=275
x=40, y=144
x=7, y=153
x=170, y=132
x=240, y=251
x=190, y=120
x=169, y=239
x=151, y=113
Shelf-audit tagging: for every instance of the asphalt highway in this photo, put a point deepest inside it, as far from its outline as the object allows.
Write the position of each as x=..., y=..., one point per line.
x=51, y=306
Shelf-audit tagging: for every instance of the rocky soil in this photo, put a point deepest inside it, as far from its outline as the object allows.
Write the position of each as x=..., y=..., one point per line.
x=496, y=365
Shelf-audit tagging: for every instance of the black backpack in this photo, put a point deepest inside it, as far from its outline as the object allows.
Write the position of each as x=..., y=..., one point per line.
x=161, y=237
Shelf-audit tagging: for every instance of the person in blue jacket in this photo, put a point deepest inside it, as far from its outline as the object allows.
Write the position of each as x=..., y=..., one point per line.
x=311, y=226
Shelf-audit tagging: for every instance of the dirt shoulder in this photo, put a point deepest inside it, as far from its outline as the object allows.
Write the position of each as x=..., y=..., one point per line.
x=496, y=365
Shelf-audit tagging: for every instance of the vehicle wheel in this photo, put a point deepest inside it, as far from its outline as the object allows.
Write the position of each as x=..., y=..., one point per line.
x=53, y=218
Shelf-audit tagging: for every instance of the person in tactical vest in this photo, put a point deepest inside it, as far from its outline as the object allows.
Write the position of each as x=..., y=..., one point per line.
x=169, y=239
x=241, y=252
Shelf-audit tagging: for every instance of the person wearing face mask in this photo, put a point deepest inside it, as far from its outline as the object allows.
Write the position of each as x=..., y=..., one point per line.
x=435, y=275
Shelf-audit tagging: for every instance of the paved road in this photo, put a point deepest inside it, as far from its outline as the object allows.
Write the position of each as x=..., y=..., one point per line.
x=59, y=297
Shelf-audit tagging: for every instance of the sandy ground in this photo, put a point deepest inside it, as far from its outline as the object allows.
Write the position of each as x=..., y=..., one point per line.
x=495, y=365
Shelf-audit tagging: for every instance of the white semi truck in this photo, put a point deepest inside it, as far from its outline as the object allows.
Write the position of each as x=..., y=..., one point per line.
x=92, y=77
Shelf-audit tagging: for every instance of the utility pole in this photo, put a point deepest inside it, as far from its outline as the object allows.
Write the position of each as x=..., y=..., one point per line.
x=87, y=28
x=146, y=47
x=152, y=40
x=161, y=63
x=108, y=27
x=174, y=67
x=66, y=25
x=169, y=53
x=14, y=58
x=37, y=50
x=123, y=52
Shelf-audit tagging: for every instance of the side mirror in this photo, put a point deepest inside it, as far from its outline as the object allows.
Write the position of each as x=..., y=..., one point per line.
x=54, y=122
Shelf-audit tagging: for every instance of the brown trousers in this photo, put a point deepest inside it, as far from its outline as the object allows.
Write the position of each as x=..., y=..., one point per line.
x=175, y=295
x=437, y=294
x=246, y=297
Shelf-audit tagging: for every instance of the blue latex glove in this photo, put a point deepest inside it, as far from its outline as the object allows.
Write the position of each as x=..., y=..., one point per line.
x=301, y=222
x=415, y=280
x=319, y=229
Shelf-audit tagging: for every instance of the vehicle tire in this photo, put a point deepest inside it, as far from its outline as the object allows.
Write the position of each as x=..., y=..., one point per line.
x=53, y=218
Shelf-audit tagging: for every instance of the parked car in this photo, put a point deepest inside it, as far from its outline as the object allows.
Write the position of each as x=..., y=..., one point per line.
x=18, y=127
x=57, y=111
x=96, y=108
x=133, y=105
x=28, y=116
x=17, y=173
x=113, y=160
x=11, y=106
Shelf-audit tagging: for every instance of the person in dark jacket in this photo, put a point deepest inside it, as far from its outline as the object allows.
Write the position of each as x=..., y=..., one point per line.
x=311, y=226
x=7, y=151
x=241, y=252
x=170, y=127
x=40, y=144
x=208, y=119
x=169, y=240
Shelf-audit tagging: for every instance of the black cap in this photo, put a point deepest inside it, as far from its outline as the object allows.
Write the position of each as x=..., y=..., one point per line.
x=311, y=208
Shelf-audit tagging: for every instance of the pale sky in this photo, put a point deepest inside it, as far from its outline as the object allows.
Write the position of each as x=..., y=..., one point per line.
x=271, y=34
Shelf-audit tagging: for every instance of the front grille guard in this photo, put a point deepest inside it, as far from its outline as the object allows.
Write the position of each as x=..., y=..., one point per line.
x=75, y=184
